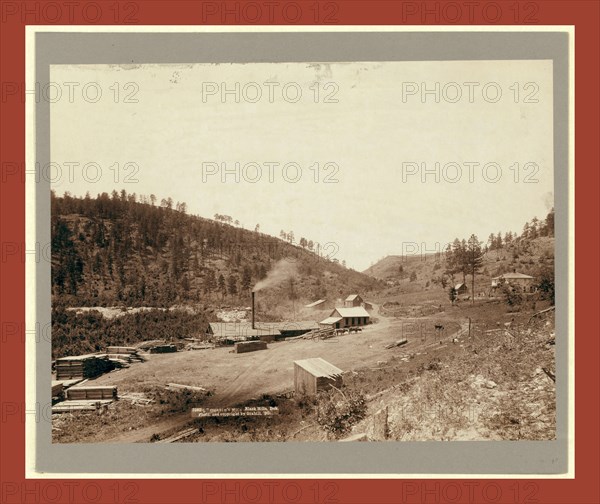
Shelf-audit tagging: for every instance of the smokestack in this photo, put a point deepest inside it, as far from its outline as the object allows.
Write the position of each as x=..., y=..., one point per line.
x=252, y=309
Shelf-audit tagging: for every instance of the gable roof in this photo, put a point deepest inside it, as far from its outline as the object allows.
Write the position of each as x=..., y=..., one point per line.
x=319, y=367
x=512, y=275
x=355, y=311
x=352, y=297
x=458, y=286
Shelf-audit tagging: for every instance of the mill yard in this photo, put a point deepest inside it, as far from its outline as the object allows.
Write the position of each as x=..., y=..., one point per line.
x=373, y=361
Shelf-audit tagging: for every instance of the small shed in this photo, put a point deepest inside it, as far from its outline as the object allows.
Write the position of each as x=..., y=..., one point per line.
x=461, y=288
x=314, y=375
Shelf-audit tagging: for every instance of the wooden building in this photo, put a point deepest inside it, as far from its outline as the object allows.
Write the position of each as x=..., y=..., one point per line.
x=353, y=300
x=314, y=375
x=346, y=317
x=524, y=282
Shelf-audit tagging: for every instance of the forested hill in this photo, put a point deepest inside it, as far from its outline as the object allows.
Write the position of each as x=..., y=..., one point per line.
x=114, y=250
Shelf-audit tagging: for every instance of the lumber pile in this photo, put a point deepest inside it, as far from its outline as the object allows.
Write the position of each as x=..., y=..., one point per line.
x=250, y=346
x=82, y=366
x=120, y=350
x=83, y=405
x=163, y=349
x=146, y=345
x=92, y=392
x=57, y=388
x=123, y=356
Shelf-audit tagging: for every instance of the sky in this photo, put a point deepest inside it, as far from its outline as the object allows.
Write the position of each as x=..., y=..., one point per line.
x=360, y=156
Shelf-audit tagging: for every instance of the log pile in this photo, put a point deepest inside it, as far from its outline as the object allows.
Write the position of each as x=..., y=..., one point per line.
x=92, y=392
x=82, y=366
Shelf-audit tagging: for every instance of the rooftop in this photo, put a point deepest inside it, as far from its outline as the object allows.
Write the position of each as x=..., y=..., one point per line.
x=352, y=297
x=355, y=311
x=237, y=331
x=316, y=303
x=330, y=320
x=319, y=367
x=512, y=275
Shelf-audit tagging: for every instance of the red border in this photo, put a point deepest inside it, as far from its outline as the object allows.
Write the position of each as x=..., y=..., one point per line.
x=584, y=489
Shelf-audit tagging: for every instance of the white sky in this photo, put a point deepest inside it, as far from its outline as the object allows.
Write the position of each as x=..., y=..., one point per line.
x=368, y=133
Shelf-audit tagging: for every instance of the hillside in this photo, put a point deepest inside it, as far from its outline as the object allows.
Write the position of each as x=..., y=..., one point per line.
x=117, y=251
x=531, y=253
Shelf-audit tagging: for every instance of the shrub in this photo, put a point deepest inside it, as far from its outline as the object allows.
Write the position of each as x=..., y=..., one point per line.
x=337, y=411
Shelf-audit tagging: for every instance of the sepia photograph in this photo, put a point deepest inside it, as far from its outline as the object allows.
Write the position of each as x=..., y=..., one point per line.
x=318, y=251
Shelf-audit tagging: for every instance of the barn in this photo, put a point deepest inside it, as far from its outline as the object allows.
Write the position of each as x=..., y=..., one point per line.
x=346, y=317
x=353, y=300
x=314, y=375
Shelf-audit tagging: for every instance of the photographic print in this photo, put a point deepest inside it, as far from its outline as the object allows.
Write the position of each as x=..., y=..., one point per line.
x=314, y=251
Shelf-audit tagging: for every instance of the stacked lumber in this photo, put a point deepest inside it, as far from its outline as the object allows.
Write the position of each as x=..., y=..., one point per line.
x=163, y=349
x=146, y=345
x=92, y=393
x=120, y=350
x=250, y=346
x=82, y=366
x=123, y=356
x=57, y=388
x=83, y=405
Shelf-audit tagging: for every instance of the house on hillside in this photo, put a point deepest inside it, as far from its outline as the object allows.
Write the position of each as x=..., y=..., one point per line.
x=346, y=317
x=461, y=288
x=353, y=300
x=524, y=282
